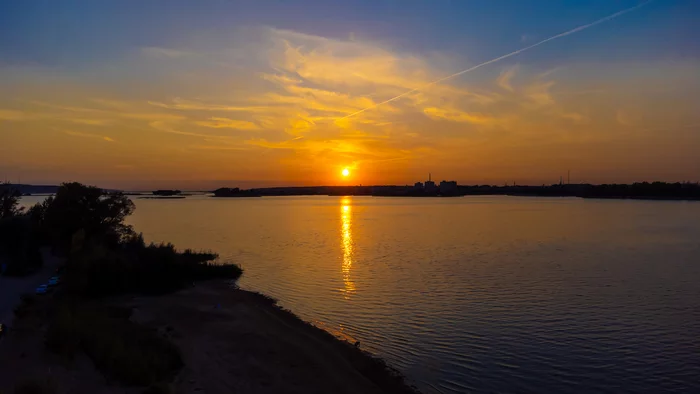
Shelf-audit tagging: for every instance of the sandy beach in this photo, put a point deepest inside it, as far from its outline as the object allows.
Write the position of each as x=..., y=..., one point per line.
x=232, y=341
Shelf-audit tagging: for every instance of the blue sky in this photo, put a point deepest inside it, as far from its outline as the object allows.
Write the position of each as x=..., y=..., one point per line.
x=204, y=70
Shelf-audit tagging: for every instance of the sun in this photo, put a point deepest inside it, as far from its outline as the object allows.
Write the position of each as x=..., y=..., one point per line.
x=346, y=172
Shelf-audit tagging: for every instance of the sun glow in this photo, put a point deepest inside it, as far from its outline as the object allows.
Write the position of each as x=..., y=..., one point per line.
x=346, y=172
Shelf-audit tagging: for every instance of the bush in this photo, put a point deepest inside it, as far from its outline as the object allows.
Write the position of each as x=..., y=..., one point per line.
x=120, y=349
x=138, y=268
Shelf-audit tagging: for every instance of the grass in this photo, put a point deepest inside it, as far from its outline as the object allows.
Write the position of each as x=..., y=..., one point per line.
x=122, y=350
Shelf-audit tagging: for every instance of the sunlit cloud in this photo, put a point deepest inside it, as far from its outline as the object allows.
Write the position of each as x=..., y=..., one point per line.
x=88, y=135
x=91, y=122
x=226, y=123
x=457, y=116
x=188, y=105
x=9, y=114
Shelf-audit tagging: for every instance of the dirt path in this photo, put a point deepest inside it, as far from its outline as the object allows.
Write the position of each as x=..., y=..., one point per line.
x=12, y=288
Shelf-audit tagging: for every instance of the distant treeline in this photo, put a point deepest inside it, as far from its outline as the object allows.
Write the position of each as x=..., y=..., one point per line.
x=642, y=190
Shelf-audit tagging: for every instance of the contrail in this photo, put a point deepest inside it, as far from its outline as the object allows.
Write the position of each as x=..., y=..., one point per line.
x=572, y=31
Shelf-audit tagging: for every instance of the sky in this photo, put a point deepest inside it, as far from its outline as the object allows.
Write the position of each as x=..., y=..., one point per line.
x=224, y=93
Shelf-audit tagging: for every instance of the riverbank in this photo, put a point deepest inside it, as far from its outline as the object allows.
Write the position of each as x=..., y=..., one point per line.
x=230, y=340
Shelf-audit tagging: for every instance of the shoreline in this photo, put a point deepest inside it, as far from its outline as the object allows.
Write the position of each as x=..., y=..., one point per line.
x=231, y=340
x=287, y=353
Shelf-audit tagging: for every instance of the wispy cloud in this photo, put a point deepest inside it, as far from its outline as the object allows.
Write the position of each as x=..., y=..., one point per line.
x=623, y=117
x=189, y=105
x=88, y=135
x=511, y=54
x=10, y=114
x=226, y=123
x=457, y=116
x=504, y=79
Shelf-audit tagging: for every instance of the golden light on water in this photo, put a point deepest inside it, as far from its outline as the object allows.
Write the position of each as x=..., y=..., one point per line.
x=347, y=246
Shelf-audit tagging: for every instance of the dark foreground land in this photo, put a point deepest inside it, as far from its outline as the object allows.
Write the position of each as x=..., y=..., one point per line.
x=229, y=341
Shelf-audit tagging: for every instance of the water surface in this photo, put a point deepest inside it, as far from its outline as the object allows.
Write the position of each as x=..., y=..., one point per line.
x=474, y=294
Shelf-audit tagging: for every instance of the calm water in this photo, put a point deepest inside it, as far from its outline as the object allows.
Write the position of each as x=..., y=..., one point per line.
x=475, y=294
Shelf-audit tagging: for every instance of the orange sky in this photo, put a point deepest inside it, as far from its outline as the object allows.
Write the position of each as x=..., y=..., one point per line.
x=264, y=107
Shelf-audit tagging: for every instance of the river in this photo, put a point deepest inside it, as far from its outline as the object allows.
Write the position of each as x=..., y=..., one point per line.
x=473, y=294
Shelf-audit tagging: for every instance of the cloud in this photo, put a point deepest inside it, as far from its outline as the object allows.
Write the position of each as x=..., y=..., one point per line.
x=575, y=117
x=623, y=118
x=226, y=123
x=457, y=116
x=539, y=95
x=291, y=97
x=422, y=87
x=88, y=135
x=13, y=115
x=189, y=105
x=90, y=122
x=504, y=79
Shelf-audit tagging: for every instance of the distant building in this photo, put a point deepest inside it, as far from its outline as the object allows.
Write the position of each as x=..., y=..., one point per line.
x=430, y=185
x=418, y=186
x=448, y=187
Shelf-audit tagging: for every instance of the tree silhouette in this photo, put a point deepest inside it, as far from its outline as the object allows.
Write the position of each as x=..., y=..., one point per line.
x=9, y=200
x=88, y=210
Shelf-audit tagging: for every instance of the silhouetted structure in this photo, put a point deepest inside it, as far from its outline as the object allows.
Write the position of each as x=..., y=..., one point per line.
x=430, y=187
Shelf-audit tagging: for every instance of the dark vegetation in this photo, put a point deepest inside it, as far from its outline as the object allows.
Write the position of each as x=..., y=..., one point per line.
x=139, y=268
x=235, y=192
x=19, y=246
x=35, y=387
x=643, y=190
x=167, y=192
x=20, y=252
x=122, y=350
x=104, y=257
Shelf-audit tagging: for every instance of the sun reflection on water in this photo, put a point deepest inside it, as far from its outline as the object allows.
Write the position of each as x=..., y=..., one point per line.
x=347, y=245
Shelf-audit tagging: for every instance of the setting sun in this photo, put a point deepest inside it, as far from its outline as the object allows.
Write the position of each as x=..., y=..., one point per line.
x=346, y=172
